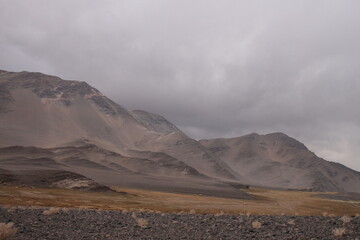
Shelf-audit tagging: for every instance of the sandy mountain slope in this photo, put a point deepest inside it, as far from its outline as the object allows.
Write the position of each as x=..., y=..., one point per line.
x=172, y=141
x=71, y=119
x=46, y=111
x=154, y=122
x=83, y=156
x=158, y=171
x=50, y=179
x=277, y=160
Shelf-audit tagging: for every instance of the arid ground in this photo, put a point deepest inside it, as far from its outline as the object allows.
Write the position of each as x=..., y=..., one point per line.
x=266, y=202
x=56, y=223
x=41, y=213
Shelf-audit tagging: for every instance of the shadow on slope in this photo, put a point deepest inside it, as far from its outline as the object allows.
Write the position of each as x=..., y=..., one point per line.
x=141, y=169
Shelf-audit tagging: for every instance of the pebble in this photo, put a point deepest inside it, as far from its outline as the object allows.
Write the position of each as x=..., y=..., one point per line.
x=91, y=224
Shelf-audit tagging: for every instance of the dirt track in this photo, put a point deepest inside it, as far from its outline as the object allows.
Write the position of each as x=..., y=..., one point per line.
x=92, y=224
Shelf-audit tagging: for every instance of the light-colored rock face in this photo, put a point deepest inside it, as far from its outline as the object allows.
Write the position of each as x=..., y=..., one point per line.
x=277, y=160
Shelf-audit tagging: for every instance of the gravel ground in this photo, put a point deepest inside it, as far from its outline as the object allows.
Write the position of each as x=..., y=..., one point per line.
x=92, y=224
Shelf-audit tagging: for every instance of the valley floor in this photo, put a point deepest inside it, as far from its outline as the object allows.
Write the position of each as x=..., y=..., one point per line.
x=40, y=213
x=263, y=202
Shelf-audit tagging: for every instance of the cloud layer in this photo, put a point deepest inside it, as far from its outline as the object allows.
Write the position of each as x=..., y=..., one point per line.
x=214, y=68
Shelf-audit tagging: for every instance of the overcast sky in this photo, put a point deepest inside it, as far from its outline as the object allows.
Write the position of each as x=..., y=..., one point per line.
x=214, y=68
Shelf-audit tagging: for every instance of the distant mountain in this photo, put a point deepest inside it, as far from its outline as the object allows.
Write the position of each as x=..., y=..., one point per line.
x=277, y=160
x=49, y=124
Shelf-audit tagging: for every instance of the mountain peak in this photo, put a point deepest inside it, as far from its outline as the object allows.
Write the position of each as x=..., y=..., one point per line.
x=46, y=86
x=277, y=138
x=54, y=89
x=280, y=137
x=277, y=134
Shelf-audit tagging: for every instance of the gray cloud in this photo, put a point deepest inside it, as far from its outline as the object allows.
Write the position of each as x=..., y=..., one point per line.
x=214, y=68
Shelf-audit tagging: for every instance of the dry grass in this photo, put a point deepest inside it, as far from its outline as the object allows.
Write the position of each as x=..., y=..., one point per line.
x=142, y=222
x=267, y=202
x=219, y=213
x=192, y=211
x=291, y=222
x=256, y=224
x=65, y=210
x=7, y=231
x=337, y=232
x=133, y=215
x=345, y=219
x=51, y=211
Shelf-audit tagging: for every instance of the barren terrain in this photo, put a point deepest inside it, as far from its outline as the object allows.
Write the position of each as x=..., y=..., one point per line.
x=264, y=202
x=76, y=165
x=92, y=224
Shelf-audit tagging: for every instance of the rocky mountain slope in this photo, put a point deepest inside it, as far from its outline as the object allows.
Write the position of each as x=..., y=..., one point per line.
x=154, y=122
x=47, y=123
x=277, y=160
x=72, y=126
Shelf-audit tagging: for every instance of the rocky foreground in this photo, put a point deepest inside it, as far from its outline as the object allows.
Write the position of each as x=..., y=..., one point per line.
x=92, y=224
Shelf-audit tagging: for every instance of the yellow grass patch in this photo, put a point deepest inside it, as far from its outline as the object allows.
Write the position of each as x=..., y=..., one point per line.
x=267, y=202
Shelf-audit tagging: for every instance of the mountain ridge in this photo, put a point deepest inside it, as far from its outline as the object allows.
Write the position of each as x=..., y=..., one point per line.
x=276, y=159
x=39, y=116
x=47, y=112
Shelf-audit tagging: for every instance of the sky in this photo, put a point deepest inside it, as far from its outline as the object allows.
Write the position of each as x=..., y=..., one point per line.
x=214, y=68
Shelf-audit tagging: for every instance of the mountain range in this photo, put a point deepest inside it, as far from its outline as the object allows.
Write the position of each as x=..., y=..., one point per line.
x=49, y=124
